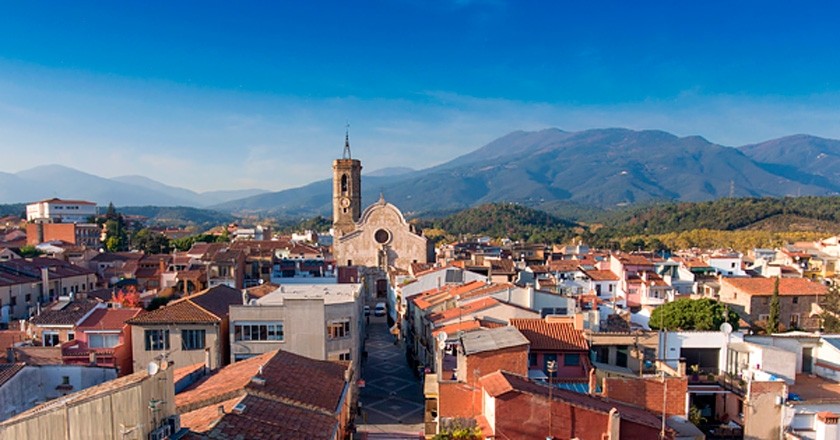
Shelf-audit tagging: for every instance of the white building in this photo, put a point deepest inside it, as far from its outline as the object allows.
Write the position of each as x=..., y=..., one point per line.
x=60, y=211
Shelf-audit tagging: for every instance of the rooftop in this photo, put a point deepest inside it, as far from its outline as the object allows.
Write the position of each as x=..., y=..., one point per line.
x=108, y=319
x=546, y=335
x=208, y=306
x=7, y=371
x=330, y=293
x=502, y=382
x=65, y=311
x=492, y=339
x=815, y=389
x=765, y=286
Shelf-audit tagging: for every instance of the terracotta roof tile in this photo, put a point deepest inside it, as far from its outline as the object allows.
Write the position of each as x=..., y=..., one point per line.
x=475, y=306
x=64, y=312
x=224, y=384
x=7, y=371
x=544, y=335
x=263, y=418
x=38, y=355
x=108, y=319
x=208, y=306
x=765, y=286
x=601, y=275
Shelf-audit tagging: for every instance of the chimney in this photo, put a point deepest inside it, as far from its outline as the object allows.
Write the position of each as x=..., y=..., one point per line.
x=613, y=425
x=221, y=410
x=593, y=382
x=207, y=359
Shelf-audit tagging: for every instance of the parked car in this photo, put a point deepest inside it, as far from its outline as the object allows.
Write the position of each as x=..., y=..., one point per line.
x=379, y=309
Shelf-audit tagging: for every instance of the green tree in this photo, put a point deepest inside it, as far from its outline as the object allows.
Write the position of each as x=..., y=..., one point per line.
x=29, y=251
x=775, y=309
x=830, y=304
x=150, y=242
x=116, y=232
x=692, y=314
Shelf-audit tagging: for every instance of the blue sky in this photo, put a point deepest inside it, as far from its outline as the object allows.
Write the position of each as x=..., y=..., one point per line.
x=222, y=95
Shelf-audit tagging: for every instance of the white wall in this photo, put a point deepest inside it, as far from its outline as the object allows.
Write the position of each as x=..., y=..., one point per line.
x=37, y=384
x=671, y=344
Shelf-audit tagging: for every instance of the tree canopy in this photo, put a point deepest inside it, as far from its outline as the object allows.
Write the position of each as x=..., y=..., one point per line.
x=692, y=314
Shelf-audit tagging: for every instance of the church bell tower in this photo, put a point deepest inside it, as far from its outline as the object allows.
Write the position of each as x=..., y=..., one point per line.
x=347, y=191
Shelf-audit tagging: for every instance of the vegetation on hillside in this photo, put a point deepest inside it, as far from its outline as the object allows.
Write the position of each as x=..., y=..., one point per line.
x=179, y=216
x=500, y=220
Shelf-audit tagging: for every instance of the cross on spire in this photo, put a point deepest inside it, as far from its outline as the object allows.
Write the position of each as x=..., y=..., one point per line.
x=346, y=154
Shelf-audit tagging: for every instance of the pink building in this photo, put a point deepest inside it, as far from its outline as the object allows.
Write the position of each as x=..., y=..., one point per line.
x=102, y=339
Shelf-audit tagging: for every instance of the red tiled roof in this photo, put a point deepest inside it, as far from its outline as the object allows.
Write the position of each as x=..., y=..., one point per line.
x=208, y=306
x=224, y=384
x=453, y=329
x=765, y=286
x=475, y=306
x=108, y=319
x=564, y=265
x=38, y=355
x=7, y=371
x=544, y=335
x=264, y=418
x=203, y=419
x=64, y=312
x=601, y=275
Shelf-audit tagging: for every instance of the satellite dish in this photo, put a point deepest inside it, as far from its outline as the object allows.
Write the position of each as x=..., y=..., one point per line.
x=726, y=328
x=152, y=368
x=442, y=337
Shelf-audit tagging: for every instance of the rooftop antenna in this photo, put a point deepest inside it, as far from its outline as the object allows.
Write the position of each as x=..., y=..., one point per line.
x=346, y=154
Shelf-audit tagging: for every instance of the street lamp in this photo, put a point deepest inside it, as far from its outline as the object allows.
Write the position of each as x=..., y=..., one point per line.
x=551, y=367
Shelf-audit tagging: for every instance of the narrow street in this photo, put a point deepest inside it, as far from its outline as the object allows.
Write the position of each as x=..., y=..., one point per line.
x=392, y=399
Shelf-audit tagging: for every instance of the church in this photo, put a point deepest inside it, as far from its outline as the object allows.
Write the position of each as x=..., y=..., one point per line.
x=378, y=239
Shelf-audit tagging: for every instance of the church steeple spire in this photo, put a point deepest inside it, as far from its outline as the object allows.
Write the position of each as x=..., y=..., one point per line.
x=346, y=154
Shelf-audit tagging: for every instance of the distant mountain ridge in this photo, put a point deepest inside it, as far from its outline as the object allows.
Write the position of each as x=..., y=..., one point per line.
x=50, y=181
x=601, y=167
x=545, y=169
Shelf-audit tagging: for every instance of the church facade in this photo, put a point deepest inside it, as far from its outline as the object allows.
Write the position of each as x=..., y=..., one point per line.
x=378, y=238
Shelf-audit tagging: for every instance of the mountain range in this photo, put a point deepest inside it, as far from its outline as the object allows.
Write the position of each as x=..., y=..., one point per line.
x=600, y=167
x=50, y=181
x=542, y=169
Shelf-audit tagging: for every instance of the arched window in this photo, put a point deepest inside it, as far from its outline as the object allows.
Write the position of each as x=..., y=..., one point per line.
x=344, y=183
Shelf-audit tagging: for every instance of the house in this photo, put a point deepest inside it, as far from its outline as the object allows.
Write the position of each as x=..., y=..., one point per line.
x=513, y=406
x=57, y=321
x=276, y=395
x=102, y=339
x=557, y=342
x=186, y=330
x=60, y=211
x=750, y=297
x=24, y=284
x=319, y=321
x=727, y=264
x=140, y=405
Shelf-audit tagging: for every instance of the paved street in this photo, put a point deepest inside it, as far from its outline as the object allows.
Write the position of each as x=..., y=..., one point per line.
x=392, y=400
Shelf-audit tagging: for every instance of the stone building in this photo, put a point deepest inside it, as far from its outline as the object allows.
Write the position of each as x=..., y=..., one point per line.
x=379, y=240
x=751, y=298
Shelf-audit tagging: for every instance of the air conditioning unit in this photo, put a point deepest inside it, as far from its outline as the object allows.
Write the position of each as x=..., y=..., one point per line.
x=162, y=433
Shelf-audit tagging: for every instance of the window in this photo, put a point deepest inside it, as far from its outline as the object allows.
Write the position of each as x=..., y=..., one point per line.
x=192, y=339
x=14, y=301
x=344, y=356
x=571, y=360
x=338, y=329
x=28, y=297
x=103, y=340
x=265, y=331
x=71, y=336
x=795, y=300
x=50, y=338
x=794, y=320
x=546, y=311
x=157, y=340
x=621, y=356
x=532, y=359
x=732, y=265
